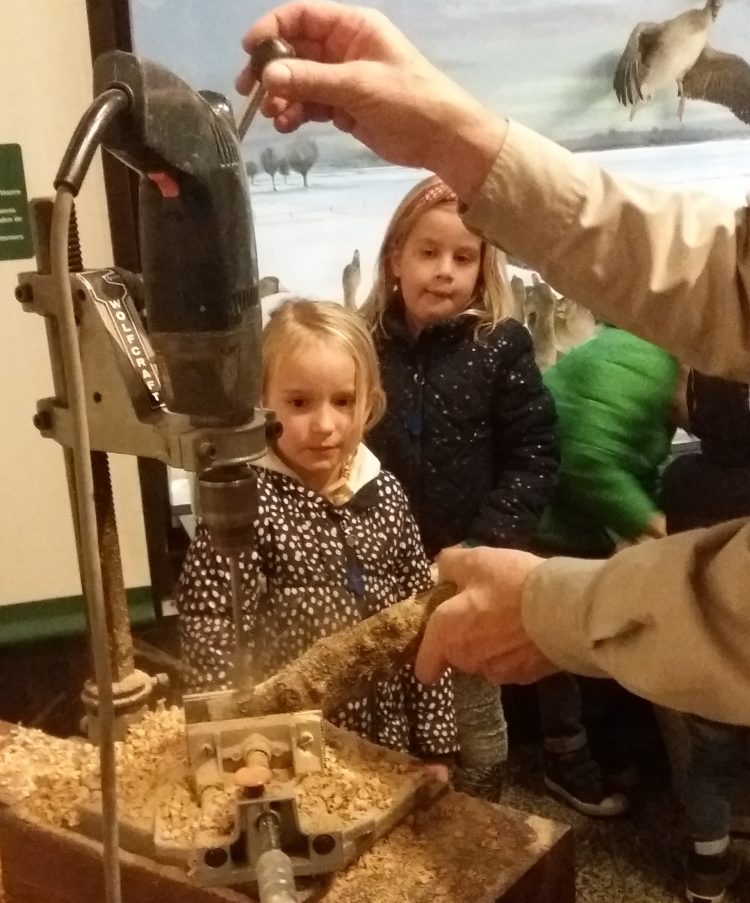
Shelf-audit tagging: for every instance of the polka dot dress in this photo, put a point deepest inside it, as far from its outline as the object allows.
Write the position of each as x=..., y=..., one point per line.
x=315, y=569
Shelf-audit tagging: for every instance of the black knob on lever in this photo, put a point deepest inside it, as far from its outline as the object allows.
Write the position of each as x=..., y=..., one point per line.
x=265, y=53
x=268, y=51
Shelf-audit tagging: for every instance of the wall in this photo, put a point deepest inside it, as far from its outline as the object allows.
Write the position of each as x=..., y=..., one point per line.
x=45, y=84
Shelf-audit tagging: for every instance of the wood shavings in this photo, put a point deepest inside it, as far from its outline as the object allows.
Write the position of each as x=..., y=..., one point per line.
x=153, y=754
x=360, y=781
x=47, y=779
x=390, y=862
x=50, y=780
x=458, y=848
x=181, y=819
x=445, y=864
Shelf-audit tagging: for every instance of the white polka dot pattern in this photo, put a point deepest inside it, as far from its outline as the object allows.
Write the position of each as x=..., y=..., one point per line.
x=296, y=591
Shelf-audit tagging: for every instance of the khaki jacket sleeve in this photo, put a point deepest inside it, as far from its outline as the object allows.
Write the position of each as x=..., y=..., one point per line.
x=668, y=619
x=672, y=267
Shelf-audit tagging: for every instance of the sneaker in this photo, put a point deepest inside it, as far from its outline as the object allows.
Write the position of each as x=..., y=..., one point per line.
x=575, y=778
x=708, y=877
x=484, y=783
x=627, y=778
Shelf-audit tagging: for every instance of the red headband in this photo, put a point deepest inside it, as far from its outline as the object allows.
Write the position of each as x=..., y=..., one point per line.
x=436, y=194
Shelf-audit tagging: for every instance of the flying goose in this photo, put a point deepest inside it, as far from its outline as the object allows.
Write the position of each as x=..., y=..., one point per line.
x=660, y=53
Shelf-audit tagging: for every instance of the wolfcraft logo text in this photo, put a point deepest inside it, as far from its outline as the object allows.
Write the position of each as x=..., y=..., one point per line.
x=125, y=322
x=133, y=342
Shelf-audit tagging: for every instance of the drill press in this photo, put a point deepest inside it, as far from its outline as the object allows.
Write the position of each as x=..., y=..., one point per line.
x=166, y=364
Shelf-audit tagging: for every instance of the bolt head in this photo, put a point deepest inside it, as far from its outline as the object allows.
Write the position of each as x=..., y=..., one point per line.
x=25, y=293
x=42, y=421
x=305, y=739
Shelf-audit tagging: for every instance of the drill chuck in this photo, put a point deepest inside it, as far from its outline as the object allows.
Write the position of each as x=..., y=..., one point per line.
x=228, y=498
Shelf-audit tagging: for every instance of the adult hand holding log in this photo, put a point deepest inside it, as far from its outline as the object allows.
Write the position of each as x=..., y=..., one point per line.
x=481, y=630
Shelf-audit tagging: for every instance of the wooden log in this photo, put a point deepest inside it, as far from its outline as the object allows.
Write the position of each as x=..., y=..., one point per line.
x=344, y=665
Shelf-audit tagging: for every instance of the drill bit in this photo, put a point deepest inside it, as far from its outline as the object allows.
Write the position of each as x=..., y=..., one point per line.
x=241, y=652
x=262, y=55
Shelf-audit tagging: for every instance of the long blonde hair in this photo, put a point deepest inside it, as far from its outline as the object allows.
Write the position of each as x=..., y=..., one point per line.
x=299, y=320
x=492, y=300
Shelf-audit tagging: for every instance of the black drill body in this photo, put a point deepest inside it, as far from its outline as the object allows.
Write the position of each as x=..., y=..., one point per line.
x=197, y=245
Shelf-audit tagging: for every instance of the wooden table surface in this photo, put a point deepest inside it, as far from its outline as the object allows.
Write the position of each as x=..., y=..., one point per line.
x=479, y=853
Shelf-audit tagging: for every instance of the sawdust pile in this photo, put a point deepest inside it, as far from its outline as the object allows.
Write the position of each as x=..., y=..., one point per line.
x=152, y=756
x=360, y=781
x=387, y=863
x=51, y=780
x=179, y=817
x=462, y=856
x=47, y=779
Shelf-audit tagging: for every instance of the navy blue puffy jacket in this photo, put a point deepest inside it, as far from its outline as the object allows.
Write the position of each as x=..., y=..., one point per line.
x=469, y=430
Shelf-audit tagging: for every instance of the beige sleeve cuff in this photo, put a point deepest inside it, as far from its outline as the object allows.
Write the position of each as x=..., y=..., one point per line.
x=554, y=606
x=530, y=174
x=667, y=619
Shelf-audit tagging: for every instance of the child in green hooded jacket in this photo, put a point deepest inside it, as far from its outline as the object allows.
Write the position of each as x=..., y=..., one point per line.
x=615, y=398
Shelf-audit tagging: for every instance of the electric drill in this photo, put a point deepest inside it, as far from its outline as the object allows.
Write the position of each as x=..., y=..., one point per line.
x=200, y=273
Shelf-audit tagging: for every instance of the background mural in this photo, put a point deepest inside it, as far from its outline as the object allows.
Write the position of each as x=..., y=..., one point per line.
x=547, y=63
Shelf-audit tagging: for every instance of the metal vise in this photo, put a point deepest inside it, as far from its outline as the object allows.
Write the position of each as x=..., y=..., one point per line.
x=266, y=815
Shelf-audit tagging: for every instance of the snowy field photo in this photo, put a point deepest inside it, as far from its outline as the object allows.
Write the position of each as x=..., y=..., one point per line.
x=305, y=236
x=549, y=64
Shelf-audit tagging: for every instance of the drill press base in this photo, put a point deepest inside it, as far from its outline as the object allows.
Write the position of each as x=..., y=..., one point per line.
x=448, y=851
x=493, y=853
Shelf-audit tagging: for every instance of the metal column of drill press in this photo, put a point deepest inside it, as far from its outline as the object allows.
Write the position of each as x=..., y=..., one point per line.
x=199, y=291
x=131, y=687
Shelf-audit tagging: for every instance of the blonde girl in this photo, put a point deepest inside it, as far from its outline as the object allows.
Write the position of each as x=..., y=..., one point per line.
x=335, y=541
x=469, y=427
x=491, y=300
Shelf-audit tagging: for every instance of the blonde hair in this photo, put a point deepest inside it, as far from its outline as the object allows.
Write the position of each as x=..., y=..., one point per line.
x=299, y=320
x=492, y=300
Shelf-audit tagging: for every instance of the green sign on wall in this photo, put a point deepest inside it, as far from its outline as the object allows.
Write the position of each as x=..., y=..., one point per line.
x=15, y=234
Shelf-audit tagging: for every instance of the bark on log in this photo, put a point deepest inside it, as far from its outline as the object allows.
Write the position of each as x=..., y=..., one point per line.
x=344, y=665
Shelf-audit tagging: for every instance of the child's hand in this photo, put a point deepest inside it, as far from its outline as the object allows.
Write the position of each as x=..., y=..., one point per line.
x=439, y=771
x=656, y=528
